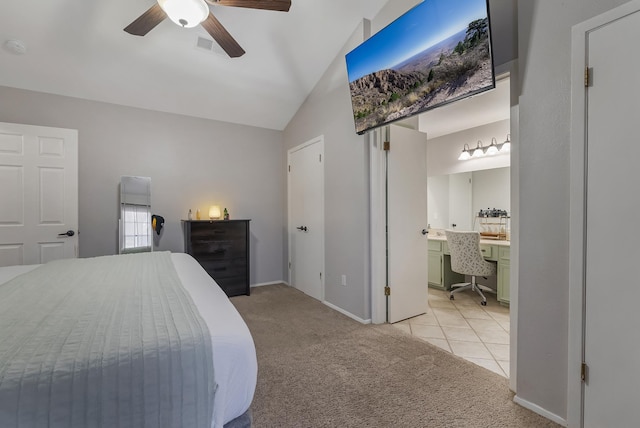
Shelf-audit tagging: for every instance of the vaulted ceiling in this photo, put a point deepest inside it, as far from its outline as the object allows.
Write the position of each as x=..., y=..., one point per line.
x=78, y=48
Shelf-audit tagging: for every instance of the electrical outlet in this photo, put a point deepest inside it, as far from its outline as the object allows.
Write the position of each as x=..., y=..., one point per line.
x=344, y=279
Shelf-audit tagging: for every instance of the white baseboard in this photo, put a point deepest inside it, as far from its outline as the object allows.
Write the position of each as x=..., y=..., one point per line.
x=349, y=314
x=539, y=410
x=261, y=284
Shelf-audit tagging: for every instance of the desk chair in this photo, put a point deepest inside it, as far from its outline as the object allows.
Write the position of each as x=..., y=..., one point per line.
x=466, y=259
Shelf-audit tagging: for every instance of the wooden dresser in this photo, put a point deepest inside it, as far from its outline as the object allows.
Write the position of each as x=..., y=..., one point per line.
x=222, y=248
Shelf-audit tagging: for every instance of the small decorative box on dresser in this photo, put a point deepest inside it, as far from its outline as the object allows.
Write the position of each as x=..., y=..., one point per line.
x=222, y=248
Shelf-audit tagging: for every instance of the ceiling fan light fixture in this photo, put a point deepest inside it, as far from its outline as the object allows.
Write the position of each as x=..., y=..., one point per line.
x=185, y=13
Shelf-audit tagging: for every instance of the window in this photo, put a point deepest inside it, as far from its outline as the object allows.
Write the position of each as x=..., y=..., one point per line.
x=136, y=227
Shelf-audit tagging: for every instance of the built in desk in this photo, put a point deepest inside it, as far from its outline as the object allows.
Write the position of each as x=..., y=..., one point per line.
x=439, y=261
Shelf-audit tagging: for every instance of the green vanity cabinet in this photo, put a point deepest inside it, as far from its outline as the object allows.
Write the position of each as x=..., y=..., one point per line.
x=439, y=261
x=504, y=282
x=435, y=270
x=441, y=276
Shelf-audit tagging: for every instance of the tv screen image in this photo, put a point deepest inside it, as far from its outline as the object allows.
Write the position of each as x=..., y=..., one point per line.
x=436, y=53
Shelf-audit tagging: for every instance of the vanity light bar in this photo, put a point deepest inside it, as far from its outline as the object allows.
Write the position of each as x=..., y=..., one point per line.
x=480, y=151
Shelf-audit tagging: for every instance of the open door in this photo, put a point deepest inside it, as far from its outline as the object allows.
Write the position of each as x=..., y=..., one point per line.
x=406, y=223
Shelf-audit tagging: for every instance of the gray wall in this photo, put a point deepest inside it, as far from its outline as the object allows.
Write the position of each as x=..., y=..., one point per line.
x=327, y=111
x=192, y=163
x=544, y=131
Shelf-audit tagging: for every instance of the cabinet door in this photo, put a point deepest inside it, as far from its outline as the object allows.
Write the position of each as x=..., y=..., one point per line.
x=504, y=283
x=435, y=269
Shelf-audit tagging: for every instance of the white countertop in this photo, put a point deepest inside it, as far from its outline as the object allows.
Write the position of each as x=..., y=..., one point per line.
x=438, y=235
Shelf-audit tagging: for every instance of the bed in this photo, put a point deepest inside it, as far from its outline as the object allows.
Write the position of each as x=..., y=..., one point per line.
x=214, y=383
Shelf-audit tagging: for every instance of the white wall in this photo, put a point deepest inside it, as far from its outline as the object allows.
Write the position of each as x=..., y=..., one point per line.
x=192, y=164
x=491, y=189
x=443, y=152
x=543, y=167
x=438, y=201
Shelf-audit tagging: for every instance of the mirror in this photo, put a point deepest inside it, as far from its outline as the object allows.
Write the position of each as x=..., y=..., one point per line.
x=135, y=215
x=458, y=198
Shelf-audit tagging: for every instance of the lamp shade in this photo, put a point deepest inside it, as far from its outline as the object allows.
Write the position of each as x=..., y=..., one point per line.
x=493, y=148
x=506, y=146
x=465, y=153
x=478, y=152
x=185, y=13
x=214, y=211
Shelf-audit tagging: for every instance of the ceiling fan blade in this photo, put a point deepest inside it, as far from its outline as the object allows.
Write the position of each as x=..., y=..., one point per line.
x=278, y=5
x=222, y=36
x=147, y=21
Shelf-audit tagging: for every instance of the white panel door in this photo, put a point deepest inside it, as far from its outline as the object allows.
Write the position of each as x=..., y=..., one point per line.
x=407, y=218
x=306, y=218
x=612, y=293
x=38, y=194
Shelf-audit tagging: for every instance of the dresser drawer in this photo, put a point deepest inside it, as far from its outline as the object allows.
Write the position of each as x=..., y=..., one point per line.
x=217, y=231
x=234, y=286
x=487, y=251
x=218, y=250
x=225, y=268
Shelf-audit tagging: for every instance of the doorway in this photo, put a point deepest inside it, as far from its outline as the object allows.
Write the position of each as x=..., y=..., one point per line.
x=447, y=162
x=305, y=184
x=39, y=194
x=603, y=296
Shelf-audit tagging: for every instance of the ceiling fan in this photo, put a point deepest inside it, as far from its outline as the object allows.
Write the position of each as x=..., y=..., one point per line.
x=189, y=13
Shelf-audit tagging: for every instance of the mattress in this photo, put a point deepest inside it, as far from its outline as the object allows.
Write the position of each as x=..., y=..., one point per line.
x=234, y=357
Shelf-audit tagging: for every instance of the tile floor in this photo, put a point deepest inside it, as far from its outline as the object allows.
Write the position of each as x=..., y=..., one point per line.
x=479, y=334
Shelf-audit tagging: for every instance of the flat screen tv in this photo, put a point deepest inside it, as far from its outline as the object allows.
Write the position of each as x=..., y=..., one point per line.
x=436, y=53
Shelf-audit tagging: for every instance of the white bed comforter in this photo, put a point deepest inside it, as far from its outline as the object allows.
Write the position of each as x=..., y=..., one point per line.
x=234, y=359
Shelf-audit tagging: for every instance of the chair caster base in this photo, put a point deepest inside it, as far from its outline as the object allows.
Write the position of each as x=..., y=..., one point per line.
x=451, y=297
x=483, y=303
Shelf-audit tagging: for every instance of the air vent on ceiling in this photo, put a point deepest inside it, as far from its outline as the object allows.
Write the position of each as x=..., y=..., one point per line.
x=205, y=44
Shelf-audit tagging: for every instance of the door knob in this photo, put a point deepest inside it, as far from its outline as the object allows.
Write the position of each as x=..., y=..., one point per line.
x=303, y=228
x=67, y=233
x=425, y=231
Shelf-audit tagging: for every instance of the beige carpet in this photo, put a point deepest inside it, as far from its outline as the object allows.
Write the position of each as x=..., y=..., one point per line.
x=319, y=368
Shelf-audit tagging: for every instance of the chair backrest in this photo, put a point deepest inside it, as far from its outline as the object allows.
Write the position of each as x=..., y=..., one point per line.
x=466, y=257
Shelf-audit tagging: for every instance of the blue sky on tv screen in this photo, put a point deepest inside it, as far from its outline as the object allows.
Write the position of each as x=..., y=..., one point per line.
x=423, y=26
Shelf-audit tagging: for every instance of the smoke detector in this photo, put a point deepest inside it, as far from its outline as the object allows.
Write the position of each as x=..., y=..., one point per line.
x=16, y=46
